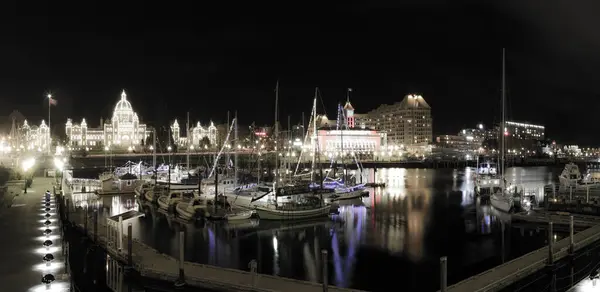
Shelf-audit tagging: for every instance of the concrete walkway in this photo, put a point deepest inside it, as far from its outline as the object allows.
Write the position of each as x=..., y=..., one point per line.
x=21, y=249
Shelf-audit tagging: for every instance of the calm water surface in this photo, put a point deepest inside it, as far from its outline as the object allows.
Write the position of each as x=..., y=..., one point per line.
x=394, y=238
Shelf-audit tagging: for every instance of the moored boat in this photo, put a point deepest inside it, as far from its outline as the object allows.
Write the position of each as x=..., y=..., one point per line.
x=195, y=208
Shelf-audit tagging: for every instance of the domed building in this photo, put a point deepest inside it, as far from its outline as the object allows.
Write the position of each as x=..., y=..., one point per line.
x=123, y=130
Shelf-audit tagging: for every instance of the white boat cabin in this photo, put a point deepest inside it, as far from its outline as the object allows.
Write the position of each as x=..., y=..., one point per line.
x=487, y=168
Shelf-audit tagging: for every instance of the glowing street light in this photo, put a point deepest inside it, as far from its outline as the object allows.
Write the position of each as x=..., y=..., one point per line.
x=59, y=163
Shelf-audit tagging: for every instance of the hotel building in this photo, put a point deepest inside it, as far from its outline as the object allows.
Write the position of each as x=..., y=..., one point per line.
x=124, y=129
x=406, y=123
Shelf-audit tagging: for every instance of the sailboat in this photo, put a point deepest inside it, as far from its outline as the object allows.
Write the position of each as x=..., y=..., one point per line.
x=303, y=204
x=343, y=191
x=503, y=199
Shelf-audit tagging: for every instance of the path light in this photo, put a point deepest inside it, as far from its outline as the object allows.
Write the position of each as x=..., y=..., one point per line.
x=47, y=231
x=47, y=209
x=47, y=215
x=48, y=279
x=48, y=258
x=47, y=204
x=48, y=222
x=47, y=243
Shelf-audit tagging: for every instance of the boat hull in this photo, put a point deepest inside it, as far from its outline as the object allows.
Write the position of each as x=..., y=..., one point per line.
x=267, y=213
x=186, y=212
x=348, y=196
x=239, y=216
x=164, y=202
x=501, y=203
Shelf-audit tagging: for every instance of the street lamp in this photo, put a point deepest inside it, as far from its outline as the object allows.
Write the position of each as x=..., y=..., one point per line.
x=27, y=165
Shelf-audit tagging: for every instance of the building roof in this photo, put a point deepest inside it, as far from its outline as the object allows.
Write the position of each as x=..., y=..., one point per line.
x=348, y=106
x=414, y=101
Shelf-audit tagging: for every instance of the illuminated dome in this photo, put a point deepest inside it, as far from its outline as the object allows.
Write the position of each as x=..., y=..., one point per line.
x=123, y=111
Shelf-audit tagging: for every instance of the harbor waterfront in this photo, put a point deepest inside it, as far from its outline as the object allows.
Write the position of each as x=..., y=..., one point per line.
x=396, y=233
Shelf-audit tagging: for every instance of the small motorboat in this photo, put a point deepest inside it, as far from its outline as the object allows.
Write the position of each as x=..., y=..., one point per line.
x=244, y=215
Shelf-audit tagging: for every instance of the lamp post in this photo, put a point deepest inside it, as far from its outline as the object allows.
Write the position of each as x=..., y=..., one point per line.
x=105, y=157
x=129, y=149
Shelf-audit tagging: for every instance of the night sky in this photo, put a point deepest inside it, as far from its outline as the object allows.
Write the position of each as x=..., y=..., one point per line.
x=176, y=57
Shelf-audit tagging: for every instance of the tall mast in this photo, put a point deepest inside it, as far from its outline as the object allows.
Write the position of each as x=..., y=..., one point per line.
x=288, y=162
x=314, y=137
x=228, y=156
x=187, y=135
x=154, y=154
x=235, y=155
x=502, y=126
x=276, y=135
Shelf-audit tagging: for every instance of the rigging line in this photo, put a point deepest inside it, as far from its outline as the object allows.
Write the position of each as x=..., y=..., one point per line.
x=306, y=138
x=222, y=148
x=320, y=96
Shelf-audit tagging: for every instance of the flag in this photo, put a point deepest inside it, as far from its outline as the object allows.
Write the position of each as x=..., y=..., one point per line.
x=51, y=101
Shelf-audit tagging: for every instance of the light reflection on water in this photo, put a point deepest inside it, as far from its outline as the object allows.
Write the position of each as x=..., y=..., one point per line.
x=420, y=215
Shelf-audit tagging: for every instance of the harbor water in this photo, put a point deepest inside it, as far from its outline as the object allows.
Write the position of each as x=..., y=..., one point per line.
x=393, y=238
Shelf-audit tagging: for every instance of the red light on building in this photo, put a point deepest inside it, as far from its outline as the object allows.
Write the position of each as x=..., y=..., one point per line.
x=506, y=133
x=260, y=134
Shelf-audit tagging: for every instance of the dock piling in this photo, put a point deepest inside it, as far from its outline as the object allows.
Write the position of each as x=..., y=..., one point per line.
x=96, y=226
x=181, y=280
x=550, y=244
x=571, y=233
x=120, y=236
x=130, y=245
x=85, y=221
x=570, y=193
x=587, y=194
x=253, y=265
x=443, y=273
x=324, y=259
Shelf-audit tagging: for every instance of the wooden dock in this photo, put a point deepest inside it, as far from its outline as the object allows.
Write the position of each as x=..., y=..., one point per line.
x=151, y=264
x=510, y=272
x=557, y=218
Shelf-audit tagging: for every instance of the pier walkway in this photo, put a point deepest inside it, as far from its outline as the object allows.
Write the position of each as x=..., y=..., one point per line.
x=21, y=249
x=152, y=264
x=508, y=273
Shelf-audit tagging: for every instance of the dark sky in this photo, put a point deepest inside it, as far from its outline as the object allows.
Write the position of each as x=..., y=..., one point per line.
x=174, y=57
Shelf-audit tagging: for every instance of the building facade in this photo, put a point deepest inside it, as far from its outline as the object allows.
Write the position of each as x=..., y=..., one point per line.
x=342, y=137
x=406, y=123
x=197, y=135
x=124, y=129
x=524, y=131
x=28, y=137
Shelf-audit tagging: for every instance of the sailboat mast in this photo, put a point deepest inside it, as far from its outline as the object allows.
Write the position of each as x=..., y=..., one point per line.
x=276, y=135
x=341, y=118
x=502, y=126
x=187, y=135
x=235, y=155
x=288, y=161
x=154, y=155
x=314, y=137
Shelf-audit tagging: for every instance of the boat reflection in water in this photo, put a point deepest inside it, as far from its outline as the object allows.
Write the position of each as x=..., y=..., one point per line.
x=394, y=236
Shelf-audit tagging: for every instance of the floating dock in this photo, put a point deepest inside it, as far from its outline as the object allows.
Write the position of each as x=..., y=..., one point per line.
x=504, y=275
x=149, y=263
